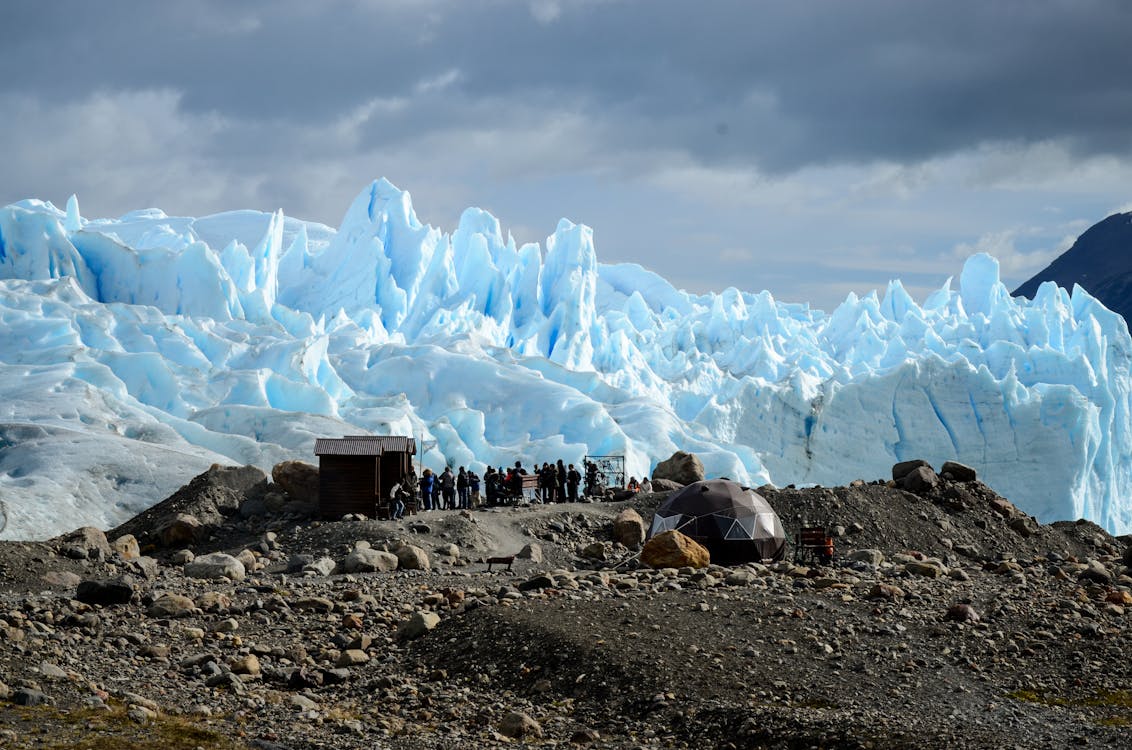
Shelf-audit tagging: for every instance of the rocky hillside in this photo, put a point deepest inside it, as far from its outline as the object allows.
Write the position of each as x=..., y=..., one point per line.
x=229, y=618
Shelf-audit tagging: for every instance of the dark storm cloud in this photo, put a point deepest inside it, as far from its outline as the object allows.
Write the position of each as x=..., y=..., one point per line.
x=775, y=85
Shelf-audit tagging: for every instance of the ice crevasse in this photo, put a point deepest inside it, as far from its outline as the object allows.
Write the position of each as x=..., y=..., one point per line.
x=138, y=350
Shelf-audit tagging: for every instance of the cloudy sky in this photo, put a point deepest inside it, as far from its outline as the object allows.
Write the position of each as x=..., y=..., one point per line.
x=808, y=148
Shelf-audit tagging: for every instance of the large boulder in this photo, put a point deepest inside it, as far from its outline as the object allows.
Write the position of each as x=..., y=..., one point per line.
x=682, y=468
x=181, y=530
x=369, y=561
x=904, y=468
x=674, y=550
x=920, y=479
x=958, y=472
x=85, y=543
x=106, y=591
x=298, y=479
x=412, y=557
x=665, y=485
x=216, y=565
x=629, y=528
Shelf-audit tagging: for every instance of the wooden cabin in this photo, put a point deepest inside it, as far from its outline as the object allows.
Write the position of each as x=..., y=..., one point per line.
x=356, y=472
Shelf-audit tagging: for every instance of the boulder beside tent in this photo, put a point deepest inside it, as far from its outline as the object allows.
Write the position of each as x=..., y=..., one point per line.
x=734, y=522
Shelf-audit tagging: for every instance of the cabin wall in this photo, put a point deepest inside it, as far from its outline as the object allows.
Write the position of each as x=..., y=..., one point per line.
x=347, y=484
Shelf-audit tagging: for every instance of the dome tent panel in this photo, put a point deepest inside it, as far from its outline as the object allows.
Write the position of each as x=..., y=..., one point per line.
x=735, y=523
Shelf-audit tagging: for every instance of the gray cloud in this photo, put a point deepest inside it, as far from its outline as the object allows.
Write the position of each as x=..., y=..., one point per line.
x=774, y=84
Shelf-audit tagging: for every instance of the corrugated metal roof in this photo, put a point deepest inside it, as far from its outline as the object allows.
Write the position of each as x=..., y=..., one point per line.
x=364, y=445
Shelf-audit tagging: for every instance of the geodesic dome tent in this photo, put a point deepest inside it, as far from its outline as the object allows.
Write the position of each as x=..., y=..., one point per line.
x=735, y=523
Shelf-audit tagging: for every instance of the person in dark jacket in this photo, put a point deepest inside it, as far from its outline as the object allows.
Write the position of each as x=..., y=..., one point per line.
x=517, y=480
x=427, y=482
x=447, y=489
x=560, y=475
x=573, y=479
x=491, y=486
x=463, y=487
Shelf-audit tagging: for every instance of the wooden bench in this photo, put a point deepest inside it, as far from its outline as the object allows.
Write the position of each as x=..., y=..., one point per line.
x=505, y=560
x=813, y=543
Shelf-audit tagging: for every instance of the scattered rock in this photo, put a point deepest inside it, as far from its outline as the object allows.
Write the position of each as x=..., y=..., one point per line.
x=170, y=605
x=904, y=468
x=532, y=552
x=216, y=565
x=518, y=725
x=85, y=543
x=412, y=557
x=369, y=561
x=106, y=591
x=417, y=625
x=958, y=472
x=629, y=528
x=127, y=547
x=920, y=479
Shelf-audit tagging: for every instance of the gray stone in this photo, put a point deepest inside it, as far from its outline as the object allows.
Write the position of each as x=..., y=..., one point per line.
x=322, y=566
x=26, y=696
x=182, y=557
x=85, y=543
x=904, y=468
x=873, y=557
x=958, y=472
x=412, y=557
x=216, y=565
x=532, y=552
x=144, y=566
x=920, y=479
x=420, y=623
x=369, y=561
x=171, y=605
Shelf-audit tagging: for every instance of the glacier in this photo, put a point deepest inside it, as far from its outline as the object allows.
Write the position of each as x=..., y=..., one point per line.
x=137, y=351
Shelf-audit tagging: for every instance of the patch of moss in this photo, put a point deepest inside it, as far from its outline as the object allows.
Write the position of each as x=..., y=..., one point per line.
x=100, y=729
x=1113, y=698
x=1037, y=696
x=1101, y=699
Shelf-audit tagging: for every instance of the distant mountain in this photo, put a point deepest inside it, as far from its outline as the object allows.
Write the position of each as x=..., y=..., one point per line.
x=1100, y=261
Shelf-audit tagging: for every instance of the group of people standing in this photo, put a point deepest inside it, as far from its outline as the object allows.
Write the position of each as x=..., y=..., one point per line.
x=555, y=483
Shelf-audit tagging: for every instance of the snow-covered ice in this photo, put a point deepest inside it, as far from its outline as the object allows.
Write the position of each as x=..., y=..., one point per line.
x=137, y=351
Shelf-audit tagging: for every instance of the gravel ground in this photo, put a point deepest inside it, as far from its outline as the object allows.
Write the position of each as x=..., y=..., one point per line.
x=948, y=620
